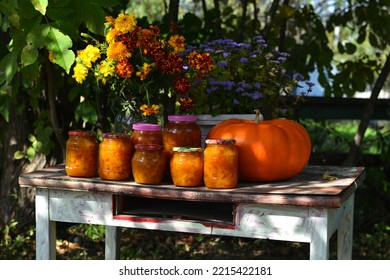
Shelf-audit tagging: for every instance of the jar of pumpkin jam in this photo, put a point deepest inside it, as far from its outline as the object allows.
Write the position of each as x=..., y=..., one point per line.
x=115, y=152
x=146, y=133
x=148, y=164
x=81, y=154
x=220, y=164
x=186, y=166
x=181, y=131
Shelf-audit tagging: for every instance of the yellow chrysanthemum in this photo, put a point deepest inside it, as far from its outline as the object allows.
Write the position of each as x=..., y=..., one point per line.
x=105, y=70
x=89, y=55
x=111, y=35
x=80, y=73
x=150, y=110
x=177, y=43
x=146, y=68
x=117, y=50
x=125, y=23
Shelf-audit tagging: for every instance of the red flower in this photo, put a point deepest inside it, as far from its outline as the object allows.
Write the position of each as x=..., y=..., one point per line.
x=186, y=103
x=124, y=69
x=181, y=85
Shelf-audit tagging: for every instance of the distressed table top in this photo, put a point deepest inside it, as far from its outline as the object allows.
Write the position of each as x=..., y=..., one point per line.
x=308, y=188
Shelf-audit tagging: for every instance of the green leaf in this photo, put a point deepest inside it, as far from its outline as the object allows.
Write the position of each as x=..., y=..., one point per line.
x=29, y=55
x=31, y=72
x=37, y=145
x=5, y=101
x=32, y=138
x=19, y=155
x=38, y=35
x=350, y=48
x=60, y=45
x=40, y=5
x=8, y=68
x=30, y=153
x=373, y=40
x=86, y=111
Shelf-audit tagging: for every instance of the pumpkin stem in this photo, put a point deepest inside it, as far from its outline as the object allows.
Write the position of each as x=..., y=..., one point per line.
x=257, y=118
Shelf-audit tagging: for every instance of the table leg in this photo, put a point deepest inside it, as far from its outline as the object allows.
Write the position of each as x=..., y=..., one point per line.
x=45, y=229
x=112, y=244
x=345, y=232
x=320, y=235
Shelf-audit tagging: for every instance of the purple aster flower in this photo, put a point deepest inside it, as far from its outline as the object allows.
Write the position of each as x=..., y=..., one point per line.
x=222, y=64
x=298, y=76
x=309, y=84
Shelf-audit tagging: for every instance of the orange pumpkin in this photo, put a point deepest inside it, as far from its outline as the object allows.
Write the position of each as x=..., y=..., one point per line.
x=270, y=150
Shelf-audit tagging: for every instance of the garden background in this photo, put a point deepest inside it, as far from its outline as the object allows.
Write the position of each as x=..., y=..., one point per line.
x=343, y=46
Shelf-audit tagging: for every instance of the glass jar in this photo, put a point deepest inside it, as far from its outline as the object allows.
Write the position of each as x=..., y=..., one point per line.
x=186, y=166
x=220, y=164
x=181, y=131
x=81, y=154
x=146, y=133
x=148, y=164
x=115, y=153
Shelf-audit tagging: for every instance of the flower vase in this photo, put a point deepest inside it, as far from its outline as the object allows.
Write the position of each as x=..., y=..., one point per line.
x=124, y=121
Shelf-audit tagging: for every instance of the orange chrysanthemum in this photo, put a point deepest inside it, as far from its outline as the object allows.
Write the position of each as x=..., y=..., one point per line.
x=150, y=110
x=124, y=69
x=117, y=51
x=200, y=62
x=143, y=74
x=177, y=43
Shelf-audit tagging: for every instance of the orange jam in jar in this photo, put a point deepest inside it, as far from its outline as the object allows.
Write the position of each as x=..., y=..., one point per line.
x=81, y=154
x=115, y=153
x=148, y=164
x=181, y=131
x=186, y=166
x=220, y=164
x=146, y=133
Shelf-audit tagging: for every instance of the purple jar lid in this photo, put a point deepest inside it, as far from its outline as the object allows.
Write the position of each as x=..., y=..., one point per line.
x=146, y=126
x=182, y=118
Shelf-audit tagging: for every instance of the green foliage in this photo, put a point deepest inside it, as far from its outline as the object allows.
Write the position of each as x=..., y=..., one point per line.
x=335, y=136
x=93, y=232
x=35, y=31
x=41, y=141
x=16, y=244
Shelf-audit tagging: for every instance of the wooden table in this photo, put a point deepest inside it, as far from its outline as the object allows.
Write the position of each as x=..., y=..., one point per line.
x=306, y=208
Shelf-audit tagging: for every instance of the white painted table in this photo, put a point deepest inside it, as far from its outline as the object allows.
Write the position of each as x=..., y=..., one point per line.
x=306, y=208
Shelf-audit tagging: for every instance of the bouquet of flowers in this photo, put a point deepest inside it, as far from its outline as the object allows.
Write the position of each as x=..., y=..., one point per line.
x=246, y=77
x=144, y=70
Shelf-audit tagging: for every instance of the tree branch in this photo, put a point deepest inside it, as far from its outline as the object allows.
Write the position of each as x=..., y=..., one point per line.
x=358, y=138
x=52, y=92
x=271, y=15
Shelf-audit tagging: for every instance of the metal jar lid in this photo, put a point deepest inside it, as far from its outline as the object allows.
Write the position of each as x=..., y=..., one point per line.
x=109, y=135
x=220, y=141
x=187, y=149
x=148, y=147
x=80, y=133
